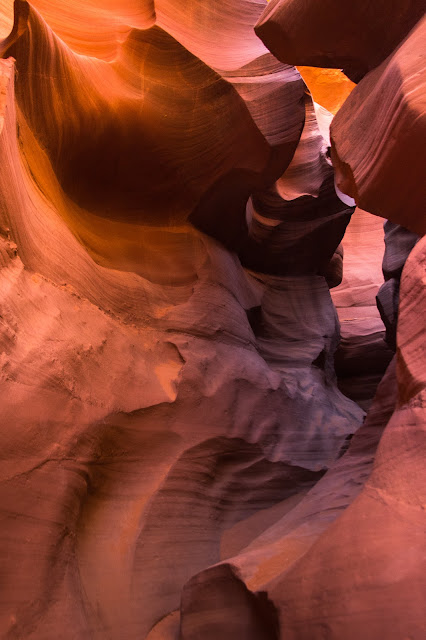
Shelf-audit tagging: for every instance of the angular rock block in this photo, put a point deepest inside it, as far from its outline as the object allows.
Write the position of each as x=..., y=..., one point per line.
x=353, y=36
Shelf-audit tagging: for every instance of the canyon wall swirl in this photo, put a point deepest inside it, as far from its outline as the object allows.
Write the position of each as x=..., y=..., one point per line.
x=177, y=457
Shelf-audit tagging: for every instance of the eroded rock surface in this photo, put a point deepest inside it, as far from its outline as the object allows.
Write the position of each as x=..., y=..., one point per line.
x=399, y=243
x=177, y=458
x=353, y=36
x=378, y=137
x=363, y=353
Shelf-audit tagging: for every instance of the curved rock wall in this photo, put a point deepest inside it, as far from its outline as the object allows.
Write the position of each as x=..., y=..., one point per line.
x=177, y=458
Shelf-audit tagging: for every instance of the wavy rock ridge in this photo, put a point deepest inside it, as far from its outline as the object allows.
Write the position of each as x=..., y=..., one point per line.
x=177, y=457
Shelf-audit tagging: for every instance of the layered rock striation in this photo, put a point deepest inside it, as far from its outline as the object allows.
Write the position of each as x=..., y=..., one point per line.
x=177, y=458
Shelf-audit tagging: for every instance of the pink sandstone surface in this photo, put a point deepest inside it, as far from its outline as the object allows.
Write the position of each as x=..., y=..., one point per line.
x=205, y=431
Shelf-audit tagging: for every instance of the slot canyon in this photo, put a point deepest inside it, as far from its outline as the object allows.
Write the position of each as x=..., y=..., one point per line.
x=213, y=320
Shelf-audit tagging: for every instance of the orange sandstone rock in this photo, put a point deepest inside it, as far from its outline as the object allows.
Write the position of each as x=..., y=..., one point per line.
x=171, y=428
x=378, y=137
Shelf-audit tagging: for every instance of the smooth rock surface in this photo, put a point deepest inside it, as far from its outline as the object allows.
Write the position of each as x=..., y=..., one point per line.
x=378, y=137
x=144, y=415
x=353, y=36
x=177, y=459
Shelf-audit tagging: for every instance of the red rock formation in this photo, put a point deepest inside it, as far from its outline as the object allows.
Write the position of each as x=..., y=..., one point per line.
x=144, y=419
x=377, y=588
x=363, y=354
x=265, y=561
x=296, y=225
x=107, y=101
x=382, y=123
x=348, y=559
x=378, y=137
x=353, y=36
x=171, y=425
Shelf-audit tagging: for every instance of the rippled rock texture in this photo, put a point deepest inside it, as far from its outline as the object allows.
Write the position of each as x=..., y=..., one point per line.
x=178, y=458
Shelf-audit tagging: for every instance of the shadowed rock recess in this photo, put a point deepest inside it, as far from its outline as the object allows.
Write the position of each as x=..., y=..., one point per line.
x=209, y=429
